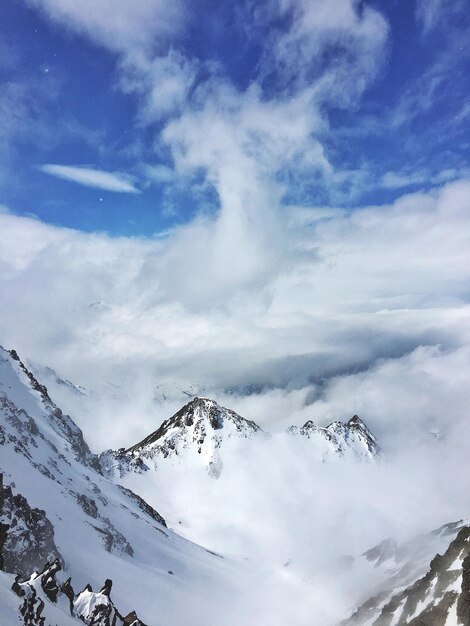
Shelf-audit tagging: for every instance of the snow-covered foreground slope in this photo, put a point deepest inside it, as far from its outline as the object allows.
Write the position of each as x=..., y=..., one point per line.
x=278, y=515
x=102, y=530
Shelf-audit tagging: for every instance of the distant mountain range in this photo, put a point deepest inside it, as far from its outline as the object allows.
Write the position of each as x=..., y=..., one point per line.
x=203, y=428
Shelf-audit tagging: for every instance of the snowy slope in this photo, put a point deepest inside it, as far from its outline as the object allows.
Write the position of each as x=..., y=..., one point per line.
x=417, y=586
x=101, y=529
x=217, y=478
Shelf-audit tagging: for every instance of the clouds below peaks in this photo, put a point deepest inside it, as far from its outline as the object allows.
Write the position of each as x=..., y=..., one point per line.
x=350, y=289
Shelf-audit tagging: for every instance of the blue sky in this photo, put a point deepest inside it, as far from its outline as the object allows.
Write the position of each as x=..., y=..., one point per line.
x=266, y=194
x=385, y=90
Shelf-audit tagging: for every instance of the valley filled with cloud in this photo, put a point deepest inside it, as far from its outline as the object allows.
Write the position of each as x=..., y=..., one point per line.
x=266, y=204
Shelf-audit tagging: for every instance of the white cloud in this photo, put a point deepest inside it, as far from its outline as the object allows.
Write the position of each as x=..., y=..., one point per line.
x=349, y=289
x=432, y=14
x=418, y=178
x=163, y=82
x=89, y=177
x=301, y=54
x=427, y=12
x=118, y=24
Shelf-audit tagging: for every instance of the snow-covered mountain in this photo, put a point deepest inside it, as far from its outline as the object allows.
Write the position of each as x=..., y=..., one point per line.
x=67, y=525
x=425, y=582
x=339, y=438
x=101, y=529
x=200, y=429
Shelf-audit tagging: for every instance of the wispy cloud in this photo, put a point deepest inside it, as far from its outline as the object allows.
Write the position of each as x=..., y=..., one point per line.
x=117, y=24
x=108, y=181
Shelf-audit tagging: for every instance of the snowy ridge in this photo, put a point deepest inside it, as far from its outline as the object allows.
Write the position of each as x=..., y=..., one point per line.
x=199, y=429
x=342, y=438
x=437, y=594
x=202, y=428
x=62, y=424
x=100, y=528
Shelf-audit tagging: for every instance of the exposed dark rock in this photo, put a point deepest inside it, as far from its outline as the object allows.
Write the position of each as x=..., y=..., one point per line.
x=88, y=505
x=463, y=604
x=28, y=538
x=380, y=553
x=143, y=506
x=429, y=599
x=106, y=589
x=113, y=540
x=67, y=589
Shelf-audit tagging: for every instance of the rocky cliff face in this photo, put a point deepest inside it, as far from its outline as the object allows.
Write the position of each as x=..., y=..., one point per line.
x=440, y=597
x=28, y=535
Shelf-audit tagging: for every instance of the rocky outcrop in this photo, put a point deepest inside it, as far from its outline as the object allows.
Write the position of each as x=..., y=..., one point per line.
x=41, y=590
x=442, y=594
x=26, y=535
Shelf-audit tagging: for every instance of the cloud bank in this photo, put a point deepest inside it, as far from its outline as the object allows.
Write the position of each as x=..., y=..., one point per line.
x=349, y=291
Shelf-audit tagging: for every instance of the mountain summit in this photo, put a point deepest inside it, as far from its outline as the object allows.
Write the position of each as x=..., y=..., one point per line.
x=342, y=438
x=198, y=430
x=199, y=423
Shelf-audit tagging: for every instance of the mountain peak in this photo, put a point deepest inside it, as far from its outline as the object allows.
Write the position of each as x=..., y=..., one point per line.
x=355, y=421
x=194, y=423
x=197, y=431
x=351, y=436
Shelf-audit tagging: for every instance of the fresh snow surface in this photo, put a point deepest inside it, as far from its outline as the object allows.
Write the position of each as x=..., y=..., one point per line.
x=112, y=537
x=206, y=466
x=254, y=501
x=103, y=531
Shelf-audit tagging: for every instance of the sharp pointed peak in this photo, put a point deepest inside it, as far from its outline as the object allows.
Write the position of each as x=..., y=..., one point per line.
x=355, y=421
